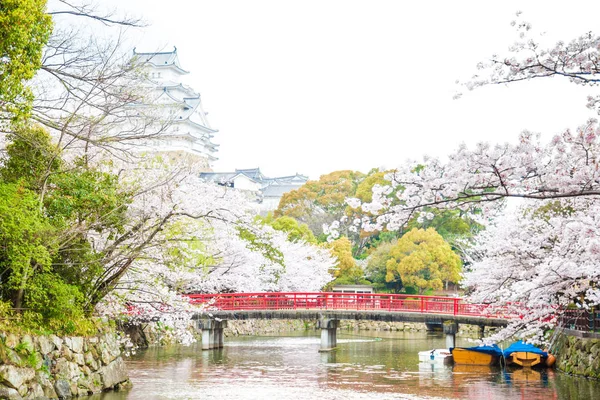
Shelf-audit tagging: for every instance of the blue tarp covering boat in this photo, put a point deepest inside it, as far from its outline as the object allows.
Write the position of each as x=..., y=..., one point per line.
x=523, y=347
x=493, y=350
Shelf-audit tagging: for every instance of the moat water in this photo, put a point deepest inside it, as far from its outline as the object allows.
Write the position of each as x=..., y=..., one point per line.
x=369, y=365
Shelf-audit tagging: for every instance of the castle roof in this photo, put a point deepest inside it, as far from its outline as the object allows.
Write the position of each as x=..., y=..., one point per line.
x=272, y=186
x=164, y=59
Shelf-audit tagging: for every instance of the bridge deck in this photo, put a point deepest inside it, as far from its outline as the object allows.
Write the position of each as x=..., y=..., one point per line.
x=358, y=306
x=387, y=316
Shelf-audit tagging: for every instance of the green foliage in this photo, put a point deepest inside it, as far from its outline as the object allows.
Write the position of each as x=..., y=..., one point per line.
x=450, y=224
x=47, y=211
x=255, y=243
x=55, y=298
x=296, y=231
x=27, y=241
x=84, y=194
x=376, y=269
x=24, y=30
x=31, y=157
x=421, y=258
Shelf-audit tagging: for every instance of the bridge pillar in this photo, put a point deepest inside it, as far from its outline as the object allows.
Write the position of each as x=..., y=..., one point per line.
x=212, y=333
x=328, y=328
x=450, y=329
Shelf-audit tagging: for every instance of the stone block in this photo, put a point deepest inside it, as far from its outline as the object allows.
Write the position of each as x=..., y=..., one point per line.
x=45, y=345
x=15, y=377
x=37, y=392
x=11, y=340
x=9, y=393
x=13, y=357
x=90, y=360
x=91, y=384
x=47, y=385
x=58, y=342
x=113, y=373
x=66, y=353
x=79, y=358
x=105, y=355
x=75, y=344
x=67, y=370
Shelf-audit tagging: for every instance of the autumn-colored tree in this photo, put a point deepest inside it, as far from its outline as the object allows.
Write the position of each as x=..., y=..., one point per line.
x=322, y=201
x=346, y=270
x=424, y=260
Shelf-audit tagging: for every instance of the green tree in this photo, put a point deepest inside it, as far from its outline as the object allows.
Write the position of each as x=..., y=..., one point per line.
x=49, y=213
x=450, y=224
x=24, y=30
x=295, y=230
x=27, y=241
x=320, y=202
x=376, y=268
x=424, y=260
x=30, y=157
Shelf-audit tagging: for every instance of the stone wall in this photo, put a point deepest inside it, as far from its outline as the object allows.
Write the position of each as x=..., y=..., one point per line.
x=577, y=353
x=254, y=327
x=34, y=367
x=267, y=326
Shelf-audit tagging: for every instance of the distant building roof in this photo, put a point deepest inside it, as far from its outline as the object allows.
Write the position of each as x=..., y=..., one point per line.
x=271, y=187
x=253, y=173
x=162, y=59
x=278, y=190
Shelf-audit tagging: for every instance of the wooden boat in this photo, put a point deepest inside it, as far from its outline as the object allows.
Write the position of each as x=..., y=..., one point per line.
x=435, y=356
x=478, y=355
x=525, y=358
x=527, y=355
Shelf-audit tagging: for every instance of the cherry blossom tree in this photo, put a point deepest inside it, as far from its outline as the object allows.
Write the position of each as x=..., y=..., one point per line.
x=528, y=58
x=538, y=260
x=188, y=236
x=542, y=258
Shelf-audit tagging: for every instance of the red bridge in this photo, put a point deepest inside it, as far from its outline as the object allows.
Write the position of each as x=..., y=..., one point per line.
x=344, y=301
x=329, y=308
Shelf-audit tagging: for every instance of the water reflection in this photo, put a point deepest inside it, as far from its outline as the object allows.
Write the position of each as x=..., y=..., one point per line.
x=384, y=366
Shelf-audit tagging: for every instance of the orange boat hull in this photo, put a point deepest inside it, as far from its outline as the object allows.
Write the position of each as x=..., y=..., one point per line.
x=525, y=359
x=469, y=357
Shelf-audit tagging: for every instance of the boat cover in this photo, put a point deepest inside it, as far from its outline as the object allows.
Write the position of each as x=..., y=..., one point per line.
x=520, y=346
x=494, y=350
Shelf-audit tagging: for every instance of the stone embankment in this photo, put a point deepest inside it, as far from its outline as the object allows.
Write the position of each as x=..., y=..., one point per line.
x=577, y=353
x=50, y=367
x=265, y=327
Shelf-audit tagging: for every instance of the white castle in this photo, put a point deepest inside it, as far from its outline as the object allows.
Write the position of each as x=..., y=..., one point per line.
x=188, y=132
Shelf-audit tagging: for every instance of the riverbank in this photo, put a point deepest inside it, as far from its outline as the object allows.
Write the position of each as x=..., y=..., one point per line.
x=51, y=367
x=577, y=353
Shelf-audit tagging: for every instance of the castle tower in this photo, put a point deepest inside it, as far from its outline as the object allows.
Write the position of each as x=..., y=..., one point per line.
x=188, y=133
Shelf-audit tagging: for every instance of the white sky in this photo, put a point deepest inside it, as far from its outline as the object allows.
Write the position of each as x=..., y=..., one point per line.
x=317, y=86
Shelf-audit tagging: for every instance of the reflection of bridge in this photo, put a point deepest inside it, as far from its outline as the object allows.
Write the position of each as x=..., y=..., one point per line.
x=329, y=308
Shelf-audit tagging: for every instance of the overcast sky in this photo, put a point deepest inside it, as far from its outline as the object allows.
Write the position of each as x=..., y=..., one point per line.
x=318, y=86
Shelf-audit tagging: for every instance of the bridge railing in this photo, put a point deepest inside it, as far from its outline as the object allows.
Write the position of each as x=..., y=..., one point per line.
x=580, y=320
x=342, y=301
